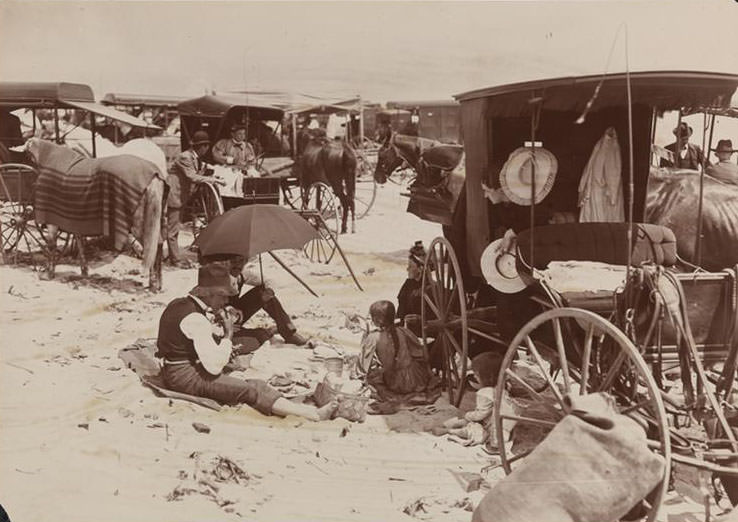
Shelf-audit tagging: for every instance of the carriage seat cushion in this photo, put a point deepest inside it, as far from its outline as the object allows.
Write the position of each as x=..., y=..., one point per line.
x=603, y=242
x=444, y=157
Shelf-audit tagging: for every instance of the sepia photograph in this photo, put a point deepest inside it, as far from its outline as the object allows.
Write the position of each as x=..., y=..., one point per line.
x=394, y=260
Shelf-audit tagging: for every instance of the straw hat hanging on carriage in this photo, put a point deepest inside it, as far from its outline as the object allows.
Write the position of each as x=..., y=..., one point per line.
x=516, y=176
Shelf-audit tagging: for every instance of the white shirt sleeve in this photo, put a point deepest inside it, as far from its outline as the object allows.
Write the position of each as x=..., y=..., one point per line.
x=213, y=355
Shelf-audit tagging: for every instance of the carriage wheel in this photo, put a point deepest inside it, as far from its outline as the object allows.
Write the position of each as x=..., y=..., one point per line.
x=205, y=205
x=443, y=316
x=366, y=186
x=18, y=230
x=320, y=200
x=597, y=357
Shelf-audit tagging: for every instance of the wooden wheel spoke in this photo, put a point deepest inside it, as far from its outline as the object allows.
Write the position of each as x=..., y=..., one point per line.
x=432, y=305
x=438, y=300
x=539, y=361
x=586, y=354
x=447, y=369
x=613, y=371
x=634, y=407
x=563, y=361
x=529, y=420
x=453, y=342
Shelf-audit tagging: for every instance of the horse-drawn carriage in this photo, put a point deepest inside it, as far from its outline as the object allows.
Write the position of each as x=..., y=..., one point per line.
x=347, y=119
x=662, y=325
x=54, y=111
x=275, y=178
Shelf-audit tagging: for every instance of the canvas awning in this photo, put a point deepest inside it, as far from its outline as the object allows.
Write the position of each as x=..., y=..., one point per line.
x=111, y=113
x=148, y=100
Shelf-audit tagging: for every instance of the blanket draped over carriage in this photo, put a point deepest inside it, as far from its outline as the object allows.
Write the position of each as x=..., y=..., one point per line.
x=91, y=197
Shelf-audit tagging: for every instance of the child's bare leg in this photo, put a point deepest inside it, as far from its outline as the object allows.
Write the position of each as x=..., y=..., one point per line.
x=286, y=407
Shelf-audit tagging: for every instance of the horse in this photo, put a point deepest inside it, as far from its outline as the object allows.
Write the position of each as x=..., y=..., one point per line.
x=115, y=196
x=430, y=159
x=332, y=162
x=673, y=201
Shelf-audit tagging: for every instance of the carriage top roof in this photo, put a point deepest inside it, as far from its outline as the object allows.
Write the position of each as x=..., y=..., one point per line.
x=422, y=104
x=48, y=95
x=497, y=120
x=666, y=90
x=153, y=100
x=220, y=106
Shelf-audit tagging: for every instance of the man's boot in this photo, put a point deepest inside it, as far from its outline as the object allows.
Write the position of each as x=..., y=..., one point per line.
x=285, y=327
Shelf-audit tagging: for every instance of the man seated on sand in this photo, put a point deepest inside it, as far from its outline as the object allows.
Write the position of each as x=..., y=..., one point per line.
x=260, y=297
x=392, y=355
x=195, y=341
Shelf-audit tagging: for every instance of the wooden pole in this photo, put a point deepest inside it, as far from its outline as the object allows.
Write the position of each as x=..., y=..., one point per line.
x=361, y=122
x=93, y=129
x=281, y=263
x=698, y=239
x=56, y=123
x=294, y=135
x=631, y=188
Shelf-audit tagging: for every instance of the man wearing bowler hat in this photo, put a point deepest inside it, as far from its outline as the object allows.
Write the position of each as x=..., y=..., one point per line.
x=195, y=342
x=187, y=170
x=686, y=155
x=235, y=151
x=724, y=170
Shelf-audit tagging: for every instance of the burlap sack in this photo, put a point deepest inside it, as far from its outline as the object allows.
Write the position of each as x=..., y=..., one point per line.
x=582, y=471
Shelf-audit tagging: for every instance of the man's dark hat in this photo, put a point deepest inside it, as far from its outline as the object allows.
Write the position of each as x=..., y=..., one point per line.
x=725, y=146
x=682, y=130
x=215, y=279
x=238, y=126
x=200, y=138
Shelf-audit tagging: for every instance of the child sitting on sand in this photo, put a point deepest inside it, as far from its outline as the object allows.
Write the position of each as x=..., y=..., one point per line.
x=392, y=355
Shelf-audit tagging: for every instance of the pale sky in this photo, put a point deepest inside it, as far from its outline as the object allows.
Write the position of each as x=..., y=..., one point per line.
x=380, y=50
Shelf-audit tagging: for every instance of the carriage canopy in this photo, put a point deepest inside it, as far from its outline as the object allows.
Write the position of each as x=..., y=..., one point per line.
x=49, y=95
x=499, y=119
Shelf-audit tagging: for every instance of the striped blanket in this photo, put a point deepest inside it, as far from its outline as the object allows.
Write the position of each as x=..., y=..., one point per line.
x=87, y=196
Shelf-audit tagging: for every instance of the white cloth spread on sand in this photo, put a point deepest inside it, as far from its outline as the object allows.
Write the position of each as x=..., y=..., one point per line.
x=601, y=187
x=233, y=178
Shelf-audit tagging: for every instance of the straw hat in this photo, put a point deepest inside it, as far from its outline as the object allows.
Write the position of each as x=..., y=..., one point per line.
x=499, y=268
x=516, y=176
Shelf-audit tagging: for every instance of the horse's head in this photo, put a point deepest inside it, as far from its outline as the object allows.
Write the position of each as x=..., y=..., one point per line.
x=32, y=149
x=388, y=160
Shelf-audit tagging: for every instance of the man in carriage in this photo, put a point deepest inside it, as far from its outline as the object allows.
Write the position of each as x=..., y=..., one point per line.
x=235, y=151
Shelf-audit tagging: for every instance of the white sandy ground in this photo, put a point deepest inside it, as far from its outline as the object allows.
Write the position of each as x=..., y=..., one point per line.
x=59, y=369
